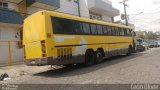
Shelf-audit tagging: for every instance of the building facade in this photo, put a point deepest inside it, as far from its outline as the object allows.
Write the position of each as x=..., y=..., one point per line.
x=13, y=12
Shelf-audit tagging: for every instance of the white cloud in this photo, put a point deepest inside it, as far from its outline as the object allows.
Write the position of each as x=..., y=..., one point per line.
x=156, y=2
x=149, y=20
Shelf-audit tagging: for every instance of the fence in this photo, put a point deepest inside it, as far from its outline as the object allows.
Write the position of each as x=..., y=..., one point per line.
x=11, y=52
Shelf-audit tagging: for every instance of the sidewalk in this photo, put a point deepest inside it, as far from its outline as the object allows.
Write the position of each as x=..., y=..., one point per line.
x=12, y=64
x=21, y=70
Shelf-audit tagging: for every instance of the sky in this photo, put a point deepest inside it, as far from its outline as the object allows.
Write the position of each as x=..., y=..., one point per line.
x=149, y=20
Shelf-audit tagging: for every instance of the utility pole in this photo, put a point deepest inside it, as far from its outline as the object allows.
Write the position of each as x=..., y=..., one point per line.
x=124, y=3
x=79, y=11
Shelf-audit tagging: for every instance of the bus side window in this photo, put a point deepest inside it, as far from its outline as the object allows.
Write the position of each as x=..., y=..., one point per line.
x=125, y=32
x=62, y=26
x=113, y=31
x=120, y=32
x=86, y=28
x=100, y=29
x=78, y=27
x=105, y=30
x=117, y=31
x=130, y=31
x=56, y=25
x=109, y=29
x=93, y=29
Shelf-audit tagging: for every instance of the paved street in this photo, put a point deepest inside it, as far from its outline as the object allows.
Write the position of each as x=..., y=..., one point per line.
x=138, y=68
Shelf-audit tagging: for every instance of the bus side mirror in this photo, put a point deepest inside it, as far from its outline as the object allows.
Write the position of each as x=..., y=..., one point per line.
x=134, y=34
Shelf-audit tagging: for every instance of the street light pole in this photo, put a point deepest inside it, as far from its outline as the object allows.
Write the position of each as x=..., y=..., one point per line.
x=124, y=3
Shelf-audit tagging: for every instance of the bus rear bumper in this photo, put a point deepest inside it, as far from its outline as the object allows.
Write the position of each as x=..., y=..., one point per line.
x=54, y=61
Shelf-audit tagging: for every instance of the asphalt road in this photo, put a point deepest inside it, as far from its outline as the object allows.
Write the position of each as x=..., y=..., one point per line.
x=140, y=68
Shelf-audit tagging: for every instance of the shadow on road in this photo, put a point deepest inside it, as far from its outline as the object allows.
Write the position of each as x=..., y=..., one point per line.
x=79, y=70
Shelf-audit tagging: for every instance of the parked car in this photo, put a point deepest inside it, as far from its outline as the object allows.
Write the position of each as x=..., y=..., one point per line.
x=158, y=44
x=145, y=45
x=139, y=45
x=140, y=48
x=153, y=45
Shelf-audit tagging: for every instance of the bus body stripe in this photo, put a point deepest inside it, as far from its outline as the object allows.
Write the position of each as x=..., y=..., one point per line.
x=89, y=44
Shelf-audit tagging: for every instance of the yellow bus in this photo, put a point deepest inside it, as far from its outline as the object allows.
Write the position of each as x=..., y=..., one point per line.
x=52, y=38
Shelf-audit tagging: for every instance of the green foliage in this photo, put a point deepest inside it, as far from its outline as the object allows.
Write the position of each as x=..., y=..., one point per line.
x=147, y=35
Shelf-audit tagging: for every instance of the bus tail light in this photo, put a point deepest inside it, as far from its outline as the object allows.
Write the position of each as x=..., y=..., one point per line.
x=43, y=46
x=44, y=55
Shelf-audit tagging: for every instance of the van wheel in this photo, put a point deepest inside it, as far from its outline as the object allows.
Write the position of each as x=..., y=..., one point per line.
x=89, y=58
x=99, y=56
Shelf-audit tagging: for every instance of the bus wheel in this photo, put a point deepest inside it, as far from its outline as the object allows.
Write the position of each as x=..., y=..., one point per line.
x=99, y=56
x=89, y=58
x=129, y=50
x=69, y=65
x=134, y=50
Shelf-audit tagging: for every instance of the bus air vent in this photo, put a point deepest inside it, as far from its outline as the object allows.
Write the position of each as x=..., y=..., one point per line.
x=64, y=53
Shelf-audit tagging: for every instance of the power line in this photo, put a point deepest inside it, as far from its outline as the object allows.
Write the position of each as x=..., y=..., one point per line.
x=155, y=9
x=132, y=11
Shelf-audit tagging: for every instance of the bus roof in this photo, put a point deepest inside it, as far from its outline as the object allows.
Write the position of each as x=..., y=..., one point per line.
x=63, y=15
x=68, y=16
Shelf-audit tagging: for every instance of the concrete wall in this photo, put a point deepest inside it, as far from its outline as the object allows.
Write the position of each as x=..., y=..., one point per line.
x=13, y=6
x=107, y=18
x=31, y=10
x=84, y=8
x=15, y=53
x=69, y=7
x=4, y=53
x=8, y=33
x=103, y=7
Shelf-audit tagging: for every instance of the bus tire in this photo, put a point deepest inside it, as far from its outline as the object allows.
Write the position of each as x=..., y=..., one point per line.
x=134, y=50
x=99, y=56
x=129, y=50
x=89, y=58
x=69, y=65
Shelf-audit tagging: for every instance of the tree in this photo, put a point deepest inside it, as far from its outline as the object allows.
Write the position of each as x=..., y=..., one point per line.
x=147, y=35
x=140, y=34
x=151, y=35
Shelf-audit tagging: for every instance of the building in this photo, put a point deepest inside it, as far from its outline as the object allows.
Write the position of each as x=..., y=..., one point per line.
x=94, y=9
x=13, y=12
